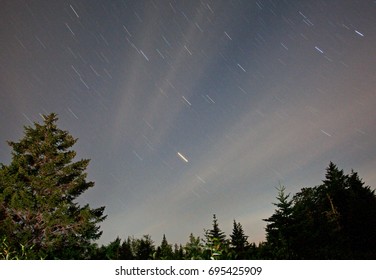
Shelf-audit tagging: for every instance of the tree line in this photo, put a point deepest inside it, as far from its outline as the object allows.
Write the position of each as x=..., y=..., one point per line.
x=41, y=219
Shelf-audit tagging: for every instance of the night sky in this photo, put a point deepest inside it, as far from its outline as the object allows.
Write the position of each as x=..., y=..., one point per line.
x=190, y=108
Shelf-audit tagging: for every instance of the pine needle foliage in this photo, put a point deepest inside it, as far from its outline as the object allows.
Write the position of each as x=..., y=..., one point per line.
x=39, y=191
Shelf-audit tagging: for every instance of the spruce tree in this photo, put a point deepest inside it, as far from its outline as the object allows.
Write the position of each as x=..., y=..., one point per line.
x=360, y=223
x=216, y=243
x=239, y=241
x=164, y=251
x=193, y=248
x=178, y=253
x=145, y=248
x=38, y=192
x=126, y=250
x=335, y=220
x=216, y=232
x=279, y=227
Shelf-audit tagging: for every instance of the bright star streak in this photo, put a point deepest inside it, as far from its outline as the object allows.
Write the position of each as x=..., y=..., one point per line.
x=182, y=157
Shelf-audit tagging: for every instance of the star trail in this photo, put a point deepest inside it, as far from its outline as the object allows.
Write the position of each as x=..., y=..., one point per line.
x=189, y=108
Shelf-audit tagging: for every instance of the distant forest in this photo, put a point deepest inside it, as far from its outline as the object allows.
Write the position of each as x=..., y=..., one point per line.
x=40, y=218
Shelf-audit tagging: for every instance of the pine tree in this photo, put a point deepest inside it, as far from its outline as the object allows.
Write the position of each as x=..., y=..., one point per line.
x=335, y=220
x=113, y=250
x=126, y=250
x=38, y=192
x=310, y=224
x=238, y=241
x=178, y=253
x=216, y=232
x=360, y=223
x=279, y=227
x=193, y=248
x=145, y=248
x=216, y=243
x=164, y=251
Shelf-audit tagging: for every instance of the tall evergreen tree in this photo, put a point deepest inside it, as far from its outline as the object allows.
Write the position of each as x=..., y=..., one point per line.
x=360, y=223
x=193, y=248
x=216, y=232
x=335, y=220
x=126, y=251
x=216, y=243
x=178, y=253
x=279, y=227
x=355, y=207
x=112, y=250
x=115, y=250
x=311, y=228
x=145, y=248
x=38, y=192
x=239, y=241
x=164, y=251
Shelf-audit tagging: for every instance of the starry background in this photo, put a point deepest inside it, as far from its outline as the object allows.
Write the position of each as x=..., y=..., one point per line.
x=189, y=108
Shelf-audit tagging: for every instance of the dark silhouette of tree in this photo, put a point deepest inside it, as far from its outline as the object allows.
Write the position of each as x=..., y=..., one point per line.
x=115, y=250
x=360, y=221
x=178, y=253
x=335, y=220
x=164, y=251
x=312, y=230
x=279, y=227
x=353, y=214
x=38, y=192
x=126, y=251
x=253, y=252
x=145, y=248
x=239, y=241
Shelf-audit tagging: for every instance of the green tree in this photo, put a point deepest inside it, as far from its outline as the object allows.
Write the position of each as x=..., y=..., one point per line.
x=112, y=250
x=351, y=210
x=360, y=222
x=239, y=241
x=216, y=232
x=145, y=248
x=115, y=250
x=311, y=227
x=164, y=251
x=38, y=192
x=193, y=248
x=126, y=251
x=178, y=253
x=279, y=227
x=215, y=242
x=335, y=220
